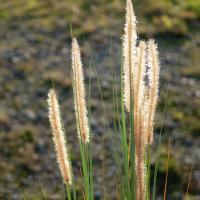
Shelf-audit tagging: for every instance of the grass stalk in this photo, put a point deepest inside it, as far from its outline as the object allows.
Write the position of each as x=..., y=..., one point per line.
x=188, y=185
x=158, y=149
x=167, y=170
x=124, y=145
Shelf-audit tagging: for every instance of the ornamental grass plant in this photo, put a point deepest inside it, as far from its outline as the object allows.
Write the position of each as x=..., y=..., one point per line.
x=134, y=126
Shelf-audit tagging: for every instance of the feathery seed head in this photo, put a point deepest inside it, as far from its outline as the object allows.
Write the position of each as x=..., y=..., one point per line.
x=153, y=64
x=139, y=75
x=79, y=94
x=139, y=113
x=59, y=138
x=129, y=52
x=153, y=76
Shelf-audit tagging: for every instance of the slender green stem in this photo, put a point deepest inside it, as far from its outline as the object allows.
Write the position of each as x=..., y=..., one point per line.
x=158, y=149
x=68, y=192
x=90, y=144
x=123, y=134
x=84, y=158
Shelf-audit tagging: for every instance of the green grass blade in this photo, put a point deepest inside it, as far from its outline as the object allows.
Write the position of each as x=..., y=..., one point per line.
x=124, y=146
x=158, y=149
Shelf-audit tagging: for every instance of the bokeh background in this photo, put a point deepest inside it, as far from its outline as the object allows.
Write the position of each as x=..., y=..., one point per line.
x=35, y=50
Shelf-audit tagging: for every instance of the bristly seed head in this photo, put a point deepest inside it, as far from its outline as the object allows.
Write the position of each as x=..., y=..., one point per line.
x=153, y=77
x=59, y=138
x=79, y=94
x=140, y=89
x=129, y=53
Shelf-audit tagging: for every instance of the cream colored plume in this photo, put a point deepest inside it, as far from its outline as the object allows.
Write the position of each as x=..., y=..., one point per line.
x=153, y=77
x=139, y=94
x=59, y=138
x=79, y=94
x=140, y=89
x=129, y=52
x=145, y=101
x=138, y=77
x=139, y=122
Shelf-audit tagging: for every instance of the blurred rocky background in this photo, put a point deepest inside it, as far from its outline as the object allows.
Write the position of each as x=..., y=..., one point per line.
x=35, y=50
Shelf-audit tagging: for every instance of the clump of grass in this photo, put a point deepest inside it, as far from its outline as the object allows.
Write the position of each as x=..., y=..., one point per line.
x=139, y=96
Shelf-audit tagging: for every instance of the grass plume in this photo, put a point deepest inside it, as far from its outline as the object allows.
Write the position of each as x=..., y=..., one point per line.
x=59, y=138
x=129, y=52
x=138, y=83
x=153, y=77
x=79, y=94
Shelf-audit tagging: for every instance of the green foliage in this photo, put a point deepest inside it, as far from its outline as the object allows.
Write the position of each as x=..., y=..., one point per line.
x=194, y=6
x=156, y=16
x=27, y=136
